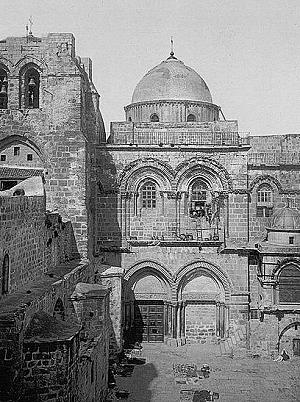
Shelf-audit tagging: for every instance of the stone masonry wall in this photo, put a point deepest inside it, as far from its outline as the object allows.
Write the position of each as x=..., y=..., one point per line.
x=273, y=160
x=128, y=218
x=63, y=130
x=200, y=324
x=22, y=235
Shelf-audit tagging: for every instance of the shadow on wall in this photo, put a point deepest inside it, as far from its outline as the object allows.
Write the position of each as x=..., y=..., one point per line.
x=61, y=244
x=108, y=231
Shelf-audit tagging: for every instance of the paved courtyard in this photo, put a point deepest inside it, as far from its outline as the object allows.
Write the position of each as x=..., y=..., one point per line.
x=234, y=378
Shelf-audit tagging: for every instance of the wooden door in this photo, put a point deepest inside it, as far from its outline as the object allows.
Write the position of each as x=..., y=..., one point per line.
x=296, y=347
x=149, y=321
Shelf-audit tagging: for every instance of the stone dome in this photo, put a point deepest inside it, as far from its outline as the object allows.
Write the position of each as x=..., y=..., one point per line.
x=171, y=80
x=286, y=219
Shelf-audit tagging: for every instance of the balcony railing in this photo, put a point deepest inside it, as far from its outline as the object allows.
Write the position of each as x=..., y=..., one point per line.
x=172, y=138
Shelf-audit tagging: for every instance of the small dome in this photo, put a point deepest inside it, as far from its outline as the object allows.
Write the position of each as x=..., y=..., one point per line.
x=286, y=219
x=171, y=80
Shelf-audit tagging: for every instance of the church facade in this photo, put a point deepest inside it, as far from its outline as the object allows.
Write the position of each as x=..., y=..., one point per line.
x=206, y=219
x=174, y=228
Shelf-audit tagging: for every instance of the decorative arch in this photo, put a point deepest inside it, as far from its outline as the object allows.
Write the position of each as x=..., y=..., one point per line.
x=207, y=168
x=144, y=269
x=282, y=264
x=26, y=61
x=133, y=174
x=4, y=62
x=288, y=279
x=285, y=330
x=266, y=179
x=17, y=139
x=206, y=267
x=148, y=266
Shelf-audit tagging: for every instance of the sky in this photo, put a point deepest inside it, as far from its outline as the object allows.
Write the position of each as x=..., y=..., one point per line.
x=247, y=51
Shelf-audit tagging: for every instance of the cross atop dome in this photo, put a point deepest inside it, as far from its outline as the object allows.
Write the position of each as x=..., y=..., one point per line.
x=172, y=50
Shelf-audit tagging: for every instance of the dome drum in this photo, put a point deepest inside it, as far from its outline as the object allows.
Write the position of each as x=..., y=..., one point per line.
x=172, y=92
x=174, y=111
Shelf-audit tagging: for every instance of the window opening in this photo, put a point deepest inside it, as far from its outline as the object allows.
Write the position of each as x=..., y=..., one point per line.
x=29, y=157
x=32, y=88
x=198, y=199
x=291, y=240
x=289, y=285
x=154, y=118
x=149, y=195
x=3, y=158
x=191, y=117
x=3, y=89
x=5, y=275
x=264, y=207
x=7, y=184
x=16, y=151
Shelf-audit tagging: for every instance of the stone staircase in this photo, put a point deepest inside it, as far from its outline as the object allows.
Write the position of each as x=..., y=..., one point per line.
x=228, y=345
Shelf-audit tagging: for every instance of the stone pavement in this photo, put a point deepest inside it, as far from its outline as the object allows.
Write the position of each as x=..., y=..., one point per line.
x=236, y=379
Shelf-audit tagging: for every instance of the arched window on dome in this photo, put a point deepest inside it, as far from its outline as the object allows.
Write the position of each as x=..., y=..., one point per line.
x=264, y=201
x=3, y=89
x=289, y=284
x=198, y=199
x=191, y=117
x=5, y=275
x=148, y=194
x=154, y=118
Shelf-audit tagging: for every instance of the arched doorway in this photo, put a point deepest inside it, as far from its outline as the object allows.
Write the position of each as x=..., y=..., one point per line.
x=202, y=295
x=147, y=305
x=289, y=339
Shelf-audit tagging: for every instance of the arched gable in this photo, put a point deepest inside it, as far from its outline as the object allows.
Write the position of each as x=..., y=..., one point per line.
x=148, y=266
x=31, y=61
x=210, y=169
x=137, y=171
x=17, y=139
x=266, y=179
x=206, y=267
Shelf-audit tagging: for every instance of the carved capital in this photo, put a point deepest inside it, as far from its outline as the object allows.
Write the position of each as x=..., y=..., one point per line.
x=126, y=195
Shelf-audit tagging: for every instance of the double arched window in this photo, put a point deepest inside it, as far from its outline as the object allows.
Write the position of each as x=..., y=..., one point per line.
x=5, y=275
x=148, y=193
x=264, y=204
x=289, y=284
x=3, y=88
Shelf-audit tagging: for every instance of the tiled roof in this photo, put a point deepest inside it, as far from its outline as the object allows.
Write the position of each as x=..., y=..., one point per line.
x=18, y=173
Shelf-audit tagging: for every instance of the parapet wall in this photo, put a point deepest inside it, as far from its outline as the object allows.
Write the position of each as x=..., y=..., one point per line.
x=22, y=238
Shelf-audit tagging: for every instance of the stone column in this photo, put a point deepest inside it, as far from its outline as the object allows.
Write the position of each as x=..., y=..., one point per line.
x=178, y=323
x=183, y=323
x=174, y=320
